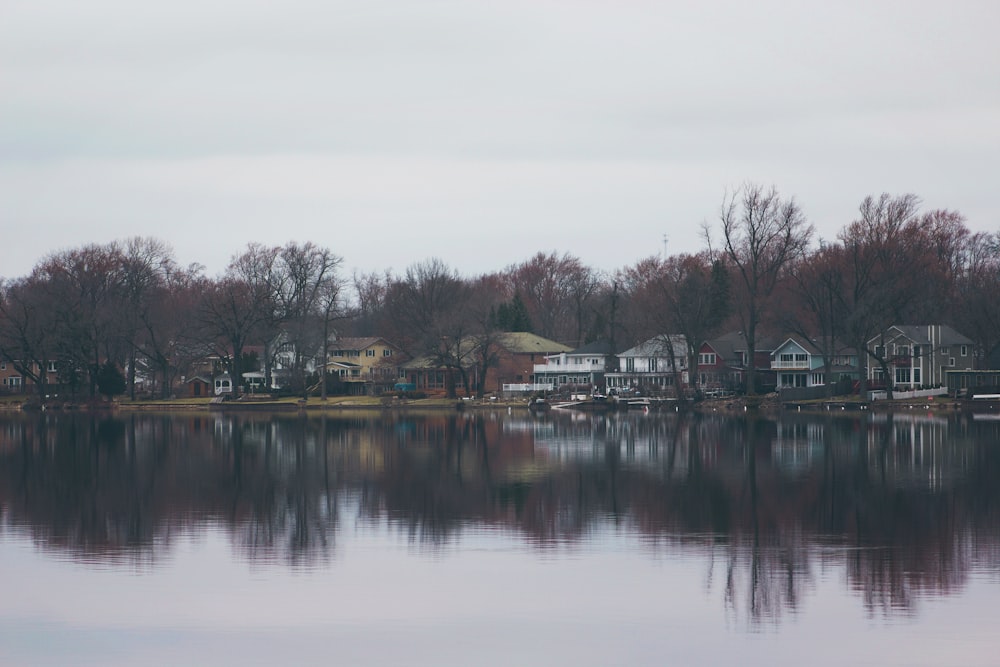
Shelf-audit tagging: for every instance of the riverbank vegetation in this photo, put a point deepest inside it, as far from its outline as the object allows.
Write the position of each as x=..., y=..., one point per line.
x=135, y=306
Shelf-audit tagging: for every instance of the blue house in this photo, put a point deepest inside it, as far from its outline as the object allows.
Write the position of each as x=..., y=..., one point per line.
x=799, y=362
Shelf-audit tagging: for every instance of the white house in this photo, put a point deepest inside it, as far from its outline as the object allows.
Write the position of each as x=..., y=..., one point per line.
x=656, y=365
x=584, y=366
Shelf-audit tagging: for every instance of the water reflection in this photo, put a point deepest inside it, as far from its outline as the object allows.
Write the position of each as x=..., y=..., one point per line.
x=905, y=505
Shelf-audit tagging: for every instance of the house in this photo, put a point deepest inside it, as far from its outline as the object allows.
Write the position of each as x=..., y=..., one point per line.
x=368, y=365
x=918, y=355
x=723, y=362
x=517, y=354
x=582, y=367
x=513, y=358
x=13, y=380
x=799, y=362
x=365, y=365
x=658, y=365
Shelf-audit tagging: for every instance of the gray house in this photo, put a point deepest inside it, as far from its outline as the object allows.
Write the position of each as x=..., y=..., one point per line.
x=918, y=355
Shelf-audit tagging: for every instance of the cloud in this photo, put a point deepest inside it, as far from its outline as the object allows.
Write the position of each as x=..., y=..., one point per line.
x=563, y=117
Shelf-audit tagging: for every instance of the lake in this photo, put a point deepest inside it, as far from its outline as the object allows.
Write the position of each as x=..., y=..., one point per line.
x=491, y=538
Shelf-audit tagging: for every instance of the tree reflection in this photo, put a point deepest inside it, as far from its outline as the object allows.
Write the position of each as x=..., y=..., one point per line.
x=906, y=505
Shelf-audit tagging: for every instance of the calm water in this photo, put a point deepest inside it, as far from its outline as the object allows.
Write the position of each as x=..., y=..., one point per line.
x=499, y=539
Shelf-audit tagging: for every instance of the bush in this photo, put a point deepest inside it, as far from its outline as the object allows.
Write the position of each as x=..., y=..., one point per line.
x=110, y=380
x=405, y=394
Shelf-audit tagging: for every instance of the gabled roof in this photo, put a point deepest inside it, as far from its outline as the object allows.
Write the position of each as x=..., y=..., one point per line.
x=658, y=346
x=729, y=344
x=799, y=342
x=921, y=334
x=811, y=346
x=357, y=343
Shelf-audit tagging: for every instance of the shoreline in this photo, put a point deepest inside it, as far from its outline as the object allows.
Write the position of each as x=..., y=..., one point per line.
x=766, y=405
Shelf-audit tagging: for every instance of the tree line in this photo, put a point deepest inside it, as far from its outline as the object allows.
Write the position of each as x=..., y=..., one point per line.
x=131, y=304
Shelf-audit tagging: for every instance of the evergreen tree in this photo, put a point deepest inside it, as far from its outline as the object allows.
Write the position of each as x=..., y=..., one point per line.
x=110, y=380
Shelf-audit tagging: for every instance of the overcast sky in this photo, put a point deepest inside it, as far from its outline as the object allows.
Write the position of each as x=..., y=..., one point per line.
x=476, y=131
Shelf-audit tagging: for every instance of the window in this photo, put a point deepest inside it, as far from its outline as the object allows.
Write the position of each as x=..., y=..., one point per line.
x=916, y=376
x=3, y=365
x=653, y=364
x=630, y=365
x=52, y=367
x=902, y=376
x=916, y=350
x=951, y=361
x=386, y=352
x=369, y=353
x=706, y=359
x=965, y=350
x=880, y=351
x=817, y=379
x=944, y=350
x=793, y=380
x=800, y=358
x=12, y=381
x=902, y=350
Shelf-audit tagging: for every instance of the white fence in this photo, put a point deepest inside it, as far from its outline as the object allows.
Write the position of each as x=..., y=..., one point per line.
x=919, y=393
x=526, y=387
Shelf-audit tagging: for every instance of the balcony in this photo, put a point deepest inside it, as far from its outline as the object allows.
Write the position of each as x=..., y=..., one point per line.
x=802, y=365
x=569, y=369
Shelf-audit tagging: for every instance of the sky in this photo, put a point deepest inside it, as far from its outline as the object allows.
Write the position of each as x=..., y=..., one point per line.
x=480, y=132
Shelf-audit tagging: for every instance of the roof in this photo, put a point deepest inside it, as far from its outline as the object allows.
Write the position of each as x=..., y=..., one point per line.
x=729, y=344
x=518, y=342
x=342, y=364
x=522, y=342
x=357, y=343
x=811, y=346
x=657, y=346
x=921, y=333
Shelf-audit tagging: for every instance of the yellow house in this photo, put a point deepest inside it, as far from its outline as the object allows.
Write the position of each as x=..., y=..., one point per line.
x=371, y=363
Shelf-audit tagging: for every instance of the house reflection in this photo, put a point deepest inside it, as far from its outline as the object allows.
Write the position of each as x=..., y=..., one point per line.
x=905, y=504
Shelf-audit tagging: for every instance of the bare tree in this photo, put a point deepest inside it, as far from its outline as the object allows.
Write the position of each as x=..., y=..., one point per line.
x=763, y=236
x=27, y=330
x=977, y=306
x=684, y=294
x=84, y=289
x=240, y=307
x=429, y=307
x=147, y=264
x=878, y=266
x=558, y=293
x=306, y=290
